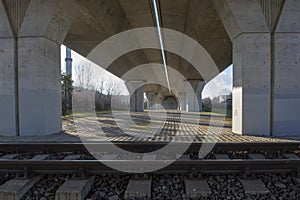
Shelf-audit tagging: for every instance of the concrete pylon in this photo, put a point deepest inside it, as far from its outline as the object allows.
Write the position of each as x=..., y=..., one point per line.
x=194, y=95
x=246, y=26
x=8, y=103
x=286, y=71
x=136, y=92
x=32, y=66
x=182, y=101
x=159, y=99
x=151, y=96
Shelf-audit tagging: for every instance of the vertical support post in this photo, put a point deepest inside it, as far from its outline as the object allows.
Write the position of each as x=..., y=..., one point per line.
x=136, y=92
x=151, y=96
x=194, y=95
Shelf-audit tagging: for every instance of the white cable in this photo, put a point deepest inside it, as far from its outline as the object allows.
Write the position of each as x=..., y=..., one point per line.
x=161, y=44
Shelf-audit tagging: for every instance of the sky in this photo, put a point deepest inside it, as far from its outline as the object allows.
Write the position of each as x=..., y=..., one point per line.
x=212, y=88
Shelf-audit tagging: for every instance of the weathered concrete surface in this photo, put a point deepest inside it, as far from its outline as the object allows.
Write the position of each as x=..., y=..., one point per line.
x=253, y=187
x=7, y=77
x=15, y=189
x=30, y=91
x=194, y=95
x=241, y=17
x=286, y=70
x=39, y=86
x=182, y=100
x=266, y=61
x=97, y=21
x=251, y=92
x=136, y=90
x=248, y=30
x=74, y=189
x=140, y=189
x=266, y=68
x=196, y=188
x=7, y=87
x=151, y=96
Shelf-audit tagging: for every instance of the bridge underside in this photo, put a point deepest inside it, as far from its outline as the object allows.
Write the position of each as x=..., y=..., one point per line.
x=260, y=37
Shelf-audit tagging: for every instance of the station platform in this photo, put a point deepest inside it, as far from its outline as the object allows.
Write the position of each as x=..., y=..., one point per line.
x=182, y=127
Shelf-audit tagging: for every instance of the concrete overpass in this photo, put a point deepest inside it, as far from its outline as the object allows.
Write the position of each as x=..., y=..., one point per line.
x=260, y=37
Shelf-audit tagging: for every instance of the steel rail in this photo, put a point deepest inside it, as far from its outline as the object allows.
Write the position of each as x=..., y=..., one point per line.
x=179, y=166
x=146, y=147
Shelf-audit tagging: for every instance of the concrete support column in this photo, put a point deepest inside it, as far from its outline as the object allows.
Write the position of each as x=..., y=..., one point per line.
x=248, y=30
x=286, y=71
x=159, y=100
x=251, y=84
x=151, y=100
x=182, y=101
x=8, y=75
x=194, y=95
x=7, y=87
x=30, y=91
x=136, y=90
x=39, y=86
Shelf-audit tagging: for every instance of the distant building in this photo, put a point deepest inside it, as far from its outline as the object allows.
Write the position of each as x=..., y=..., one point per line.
x=225, y=98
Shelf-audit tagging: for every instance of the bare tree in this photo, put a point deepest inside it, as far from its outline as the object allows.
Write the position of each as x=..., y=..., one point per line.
x=101, y=85
x=83, y=73
x=225, y=91
x=111, y=88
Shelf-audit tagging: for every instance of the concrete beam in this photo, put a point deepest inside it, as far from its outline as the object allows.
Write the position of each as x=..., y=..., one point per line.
x=289, y=18
x=51, y=19
x=241, y=16
x=5, y=27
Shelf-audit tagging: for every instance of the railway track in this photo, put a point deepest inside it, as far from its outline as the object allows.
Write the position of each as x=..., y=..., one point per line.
x=248, y=166
x=224, y=157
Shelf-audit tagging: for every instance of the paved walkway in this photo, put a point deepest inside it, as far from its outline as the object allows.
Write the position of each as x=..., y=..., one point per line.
x=154, y=126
